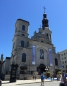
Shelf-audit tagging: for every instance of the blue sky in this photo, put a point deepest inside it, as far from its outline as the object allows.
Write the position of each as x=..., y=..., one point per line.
x=32, y=11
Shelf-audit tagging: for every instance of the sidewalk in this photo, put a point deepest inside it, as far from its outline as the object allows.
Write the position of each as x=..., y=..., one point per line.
x=19, y=82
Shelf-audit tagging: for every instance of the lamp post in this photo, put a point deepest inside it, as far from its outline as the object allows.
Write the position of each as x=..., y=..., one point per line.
x=1, y=61
x=13, y=71
x=46, y=68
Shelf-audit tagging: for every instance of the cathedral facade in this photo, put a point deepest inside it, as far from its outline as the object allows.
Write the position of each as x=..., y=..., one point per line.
x=36, y=53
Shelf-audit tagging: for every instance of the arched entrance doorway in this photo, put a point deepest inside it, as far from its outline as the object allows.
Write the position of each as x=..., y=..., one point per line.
x=41, y=68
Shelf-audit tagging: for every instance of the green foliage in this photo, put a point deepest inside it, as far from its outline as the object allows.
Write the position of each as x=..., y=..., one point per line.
x=48, y=72
x=59, y=72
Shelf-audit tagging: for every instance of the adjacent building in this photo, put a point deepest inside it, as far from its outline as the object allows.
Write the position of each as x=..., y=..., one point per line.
x=6, y=66
x=63, y=58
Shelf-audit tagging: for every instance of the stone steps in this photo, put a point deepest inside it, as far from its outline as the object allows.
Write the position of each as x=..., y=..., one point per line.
x=22, y=77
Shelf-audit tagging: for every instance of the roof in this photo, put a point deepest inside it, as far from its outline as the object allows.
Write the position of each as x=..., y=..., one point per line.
x=7, y=57
x=23, y=20
x=62, y=51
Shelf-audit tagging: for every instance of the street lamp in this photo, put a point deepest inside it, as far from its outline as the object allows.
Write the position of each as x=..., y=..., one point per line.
x=1, y=61
x=13, y=71
x=46, y=68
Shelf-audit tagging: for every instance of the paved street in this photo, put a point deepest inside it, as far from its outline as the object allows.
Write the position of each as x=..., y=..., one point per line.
x=30, y=83
x=55, y=83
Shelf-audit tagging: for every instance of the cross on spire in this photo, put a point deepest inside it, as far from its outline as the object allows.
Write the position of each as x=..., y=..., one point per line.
x=44, y=9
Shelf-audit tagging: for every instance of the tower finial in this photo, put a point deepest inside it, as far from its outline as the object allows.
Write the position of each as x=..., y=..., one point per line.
x=44, y=9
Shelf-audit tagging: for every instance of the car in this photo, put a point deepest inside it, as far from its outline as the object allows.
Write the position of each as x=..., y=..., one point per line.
x=0, y=82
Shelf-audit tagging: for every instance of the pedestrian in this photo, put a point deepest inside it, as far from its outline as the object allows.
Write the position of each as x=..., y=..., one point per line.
x=62, y=83
x=51, y=77
x=0, y=82
x=65, y=79
x=42, y=79
x=57, y=77
x=35, y=76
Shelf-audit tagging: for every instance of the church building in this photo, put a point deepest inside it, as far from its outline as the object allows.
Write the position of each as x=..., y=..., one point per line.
x=35, y=54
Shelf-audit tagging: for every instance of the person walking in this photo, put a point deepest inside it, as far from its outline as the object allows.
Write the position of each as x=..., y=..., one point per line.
x=42, y=79
x=62, y=83
x=34, y=76
x=65, y=79
x=51, y=77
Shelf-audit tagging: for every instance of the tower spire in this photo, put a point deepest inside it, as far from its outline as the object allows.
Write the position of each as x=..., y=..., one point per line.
x=45, y=20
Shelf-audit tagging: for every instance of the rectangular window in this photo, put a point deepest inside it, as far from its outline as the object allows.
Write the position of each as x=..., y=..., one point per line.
x=62, y=62
x=23, y=57
x=22, y=43
x=64, y=53
x=61, y=54
x=66, y=66
x=62, y=58
x=23, y=27
x=65, y=57
x=65, y=61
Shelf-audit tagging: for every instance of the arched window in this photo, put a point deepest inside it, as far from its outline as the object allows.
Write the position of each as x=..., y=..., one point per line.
x=47, y=36
x=41, y=54
x=23, y=35
x=23, y=27
x=23, y=57
x=41, y=41
x=22, y=43
x=56, y=62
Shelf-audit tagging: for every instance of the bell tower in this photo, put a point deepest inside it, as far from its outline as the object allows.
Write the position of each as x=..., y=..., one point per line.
x=45, y=20
x=45, y=28
x=21, y=34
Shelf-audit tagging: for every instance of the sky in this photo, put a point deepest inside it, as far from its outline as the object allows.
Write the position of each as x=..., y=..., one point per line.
x=32, y=11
